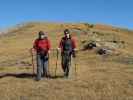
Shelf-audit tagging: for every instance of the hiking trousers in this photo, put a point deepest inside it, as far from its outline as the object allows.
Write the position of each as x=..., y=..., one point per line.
x=42, y=66
x=66, y=61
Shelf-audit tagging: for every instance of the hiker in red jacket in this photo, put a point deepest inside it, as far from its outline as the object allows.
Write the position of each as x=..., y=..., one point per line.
x=68, y=47
x=42, y=47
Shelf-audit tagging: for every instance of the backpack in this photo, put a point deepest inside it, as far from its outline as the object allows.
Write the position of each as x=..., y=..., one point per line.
x=67, y=44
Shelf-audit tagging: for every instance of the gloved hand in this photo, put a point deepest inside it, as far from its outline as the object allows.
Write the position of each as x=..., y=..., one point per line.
x=33, y=50
x=73, y=53
x=49, y=52
x=58, y=49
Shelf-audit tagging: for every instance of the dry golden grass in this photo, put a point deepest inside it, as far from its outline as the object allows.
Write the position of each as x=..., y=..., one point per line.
x=98, y=77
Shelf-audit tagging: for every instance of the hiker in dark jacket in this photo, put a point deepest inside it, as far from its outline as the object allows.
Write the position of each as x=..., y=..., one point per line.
x=42, y=47
x=68, y=47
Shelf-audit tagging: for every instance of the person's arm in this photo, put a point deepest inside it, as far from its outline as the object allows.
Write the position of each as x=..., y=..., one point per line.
x=49, y=46
x=60, y=45
x=73, y=44
x=35, y=45
x=74, y=48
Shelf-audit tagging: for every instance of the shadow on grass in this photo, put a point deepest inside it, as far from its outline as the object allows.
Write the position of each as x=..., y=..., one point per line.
x=27, y=75
x=55, y=77
x=17, y=75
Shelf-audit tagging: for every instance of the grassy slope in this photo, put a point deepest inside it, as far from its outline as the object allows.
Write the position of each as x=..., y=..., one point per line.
x=99, y=78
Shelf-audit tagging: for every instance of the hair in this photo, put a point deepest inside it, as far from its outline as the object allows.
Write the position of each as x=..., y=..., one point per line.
x=41, y=33
x=66, y=31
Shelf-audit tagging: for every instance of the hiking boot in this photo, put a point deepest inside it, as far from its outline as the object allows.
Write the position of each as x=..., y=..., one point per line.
x=66, y=75
x=37, y=79
x=45, y=75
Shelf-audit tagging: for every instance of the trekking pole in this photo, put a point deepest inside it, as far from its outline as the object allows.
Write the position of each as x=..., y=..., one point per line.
x=75, y=67
x=32, y=60
x=56, y=62
x=48, y=65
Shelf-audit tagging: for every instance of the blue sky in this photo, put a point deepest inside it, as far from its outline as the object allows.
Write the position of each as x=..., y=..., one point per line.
x=112, y=12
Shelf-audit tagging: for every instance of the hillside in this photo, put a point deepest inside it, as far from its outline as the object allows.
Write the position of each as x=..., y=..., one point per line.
x=99, y=77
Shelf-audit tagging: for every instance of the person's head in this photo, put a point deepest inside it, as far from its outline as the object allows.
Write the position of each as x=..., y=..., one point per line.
x=67, y=33
x=42, y=35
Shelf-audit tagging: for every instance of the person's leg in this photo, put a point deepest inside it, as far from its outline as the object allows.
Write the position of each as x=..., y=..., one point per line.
x=66, y=63
x=45, y=66
x=63, y=61
x=39, y=67
x=68, y=59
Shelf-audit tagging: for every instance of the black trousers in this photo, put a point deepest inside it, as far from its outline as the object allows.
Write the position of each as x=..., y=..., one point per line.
x=66, y=62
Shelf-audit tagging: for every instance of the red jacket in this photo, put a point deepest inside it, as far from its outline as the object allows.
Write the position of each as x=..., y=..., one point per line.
x=42, y=45
x=62, y=41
